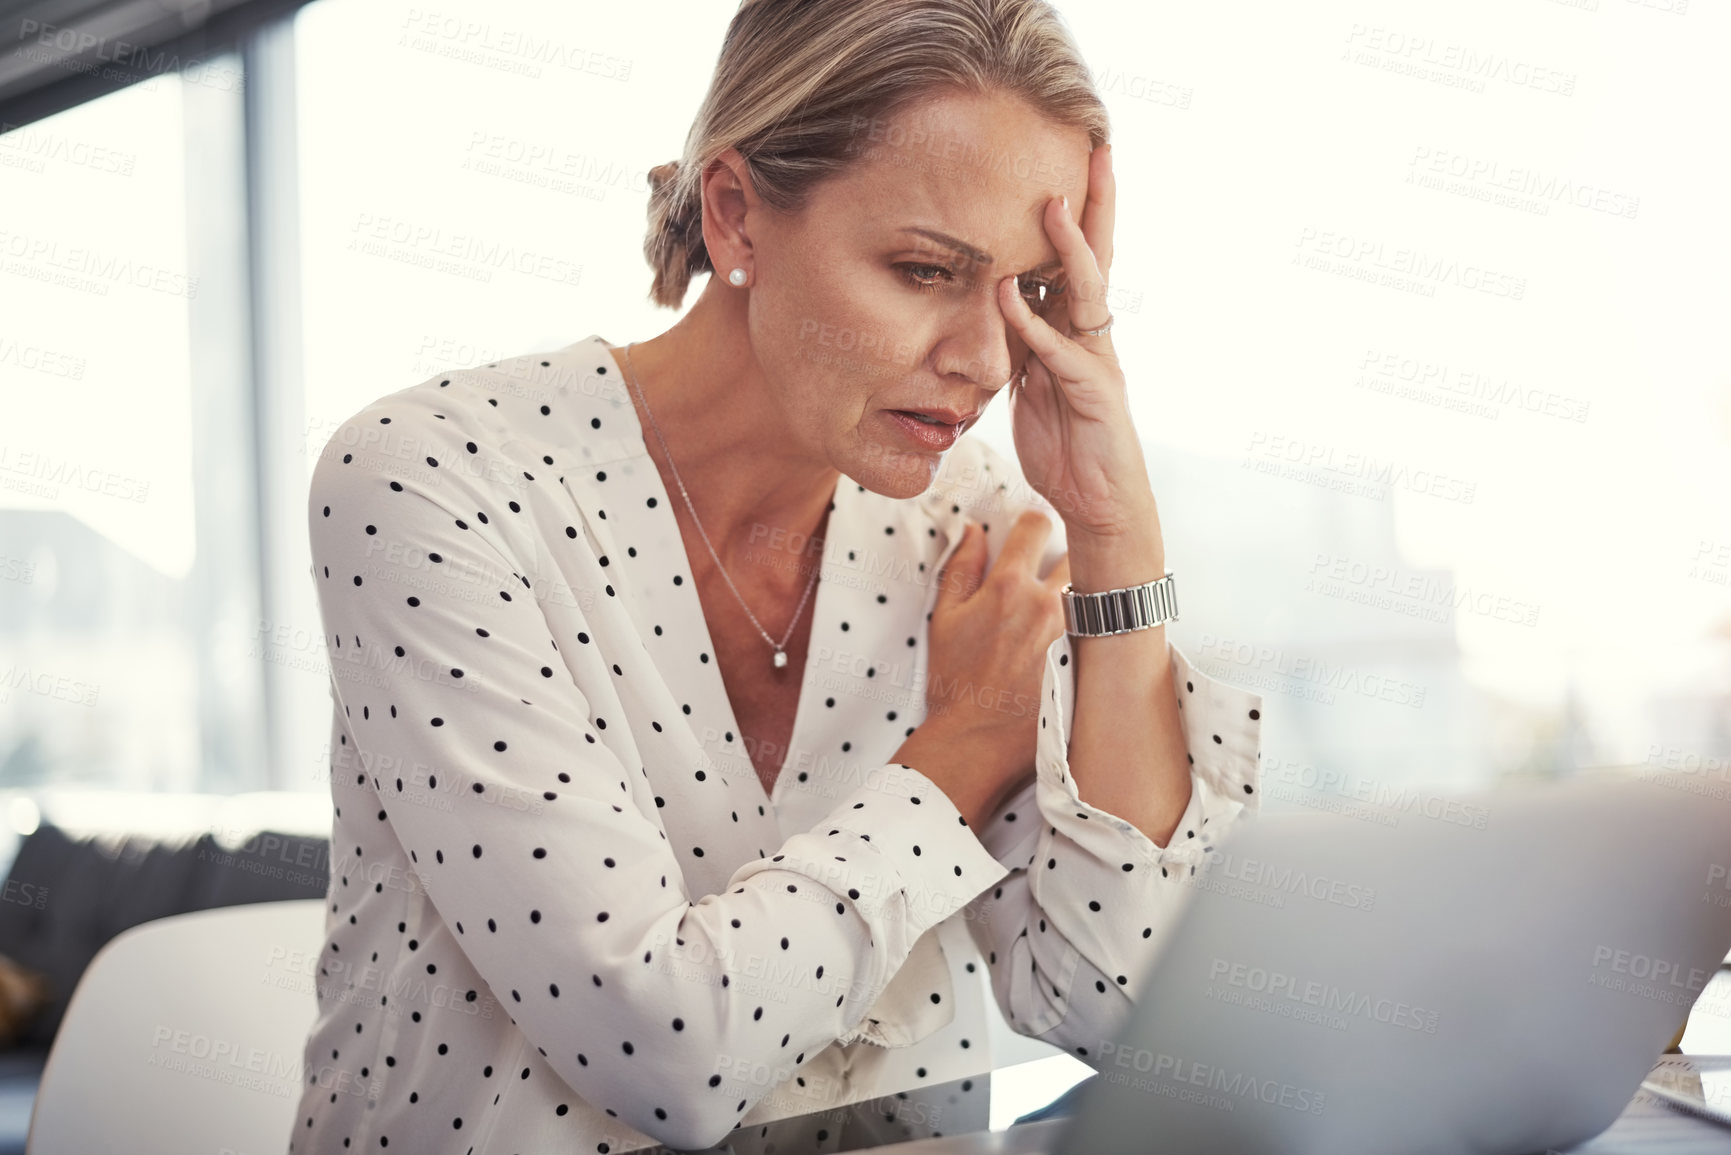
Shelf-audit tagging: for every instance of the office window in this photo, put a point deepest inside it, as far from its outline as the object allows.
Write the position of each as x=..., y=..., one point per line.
x=127, y=583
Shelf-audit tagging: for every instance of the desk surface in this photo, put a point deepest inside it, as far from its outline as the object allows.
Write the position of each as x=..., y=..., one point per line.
x=1649, y=1125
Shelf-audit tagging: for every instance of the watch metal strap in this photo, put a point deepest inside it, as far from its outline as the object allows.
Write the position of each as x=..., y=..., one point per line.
x=1122, y=610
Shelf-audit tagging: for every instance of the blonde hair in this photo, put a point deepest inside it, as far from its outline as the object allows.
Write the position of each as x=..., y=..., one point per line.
x=797, y=80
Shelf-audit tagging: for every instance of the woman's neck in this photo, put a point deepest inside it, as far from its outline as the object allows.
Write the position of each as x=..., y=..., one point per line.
x=750, y=476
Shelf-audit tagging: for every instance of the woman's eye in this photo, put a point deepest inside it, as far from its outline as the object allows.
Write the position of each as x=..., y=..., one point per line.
x=925, y=276
x=1041, y=294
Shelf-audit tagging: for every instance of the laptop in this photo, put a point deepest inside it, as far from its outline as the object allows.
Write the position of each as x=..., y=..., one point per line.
x=1487, y=974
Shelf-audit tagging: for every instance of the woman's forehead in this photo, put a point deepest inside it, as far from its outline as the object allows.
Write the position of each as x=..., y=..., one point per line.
x=992, y=144
x=964, y=175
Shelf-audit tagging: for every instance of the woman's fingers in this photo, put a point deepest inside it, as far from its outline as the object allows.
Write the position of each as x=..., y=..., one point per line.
x=1060, y=573
x=1086, y=293
x=1028, y=536
x=1099, y=214
x=1085, y=250
x=1058, y=353
x=964, y=572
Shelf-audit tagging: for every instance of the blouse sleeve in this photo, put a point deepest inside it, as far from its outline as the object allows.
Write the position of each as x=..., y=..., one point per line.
x=1074, y=928
x=574, y=910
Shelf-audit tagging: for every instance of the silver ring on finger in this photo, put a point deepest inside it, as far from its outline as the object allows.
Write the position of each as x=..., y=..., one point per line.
x=1101, y=331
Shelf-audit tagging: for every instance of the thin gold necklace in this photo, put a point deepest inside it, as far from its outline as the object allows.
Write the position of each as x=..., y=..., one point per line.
x=779, y=658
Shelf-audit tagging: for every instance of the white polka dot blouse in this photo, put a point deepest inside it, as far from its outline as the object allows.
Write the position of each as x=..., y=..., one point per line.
x=563, y=913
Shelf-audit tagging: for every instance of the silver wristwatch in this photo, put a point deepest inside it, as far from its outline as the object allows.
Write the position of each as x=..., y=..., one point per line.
x=1120, y=611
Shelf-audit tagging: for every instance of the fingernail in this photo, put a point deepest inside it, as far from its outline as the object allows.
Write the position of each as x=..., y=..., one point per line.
x=1064, y=200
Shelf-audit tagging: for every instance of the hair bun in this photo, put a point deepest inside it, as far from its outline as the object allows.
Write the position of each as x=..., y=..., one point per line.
x=663, y=174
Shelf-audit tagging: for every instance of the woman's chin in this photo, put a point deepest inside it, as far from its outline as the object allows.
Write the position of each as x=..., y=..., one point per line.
x=894, y=471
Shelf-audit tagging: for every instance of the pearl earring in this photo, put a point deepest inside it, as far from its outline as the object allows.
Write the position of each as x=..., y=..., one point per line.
x=736, y=277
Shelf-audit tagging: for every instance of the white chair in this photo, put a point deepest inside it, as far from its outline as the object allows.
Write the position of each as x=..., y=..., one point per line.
x=186, y=1034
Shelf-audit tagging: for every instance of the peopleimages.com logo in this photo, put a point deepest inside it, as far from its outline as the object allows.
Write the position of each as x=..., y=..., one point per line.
x=1662, y=980
x=1206, y=1084
x=1329, y=997
x=1718, y=890
x=1284, y=879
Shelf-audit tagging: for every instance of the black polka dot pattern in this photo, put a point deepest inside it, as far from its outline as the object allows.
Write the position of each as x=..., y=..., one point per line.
x=549, y=838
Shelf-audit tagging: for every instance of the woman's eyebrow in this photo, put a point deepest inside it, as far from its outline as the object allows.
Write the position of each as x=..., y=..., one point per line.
x=969, y=252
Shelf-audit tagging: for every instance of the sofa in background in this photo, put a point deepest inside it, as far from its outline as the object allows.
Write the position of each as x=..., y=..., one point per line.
x=67, y=894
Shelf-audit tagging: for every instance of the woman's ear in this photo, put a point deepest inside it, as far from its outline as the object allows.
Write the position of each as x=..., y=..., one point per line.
x=728, y=197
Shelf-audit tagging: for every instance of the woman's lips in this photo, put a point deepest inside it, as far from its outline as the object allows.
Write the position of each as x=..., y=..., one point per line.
x=929, y=435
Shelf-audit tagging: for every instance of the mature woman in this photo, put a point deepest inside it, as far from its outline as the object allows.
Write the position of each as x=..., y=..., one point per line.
x=643, y=830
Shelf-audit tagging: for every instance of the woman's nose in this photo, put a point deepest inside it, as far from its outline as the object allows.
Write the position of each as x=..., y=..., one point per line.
x=978, y=347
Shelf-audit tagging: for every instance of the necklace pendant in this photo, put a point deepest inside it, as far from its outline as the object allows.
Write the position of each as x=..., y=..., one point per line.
x=780, y=658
